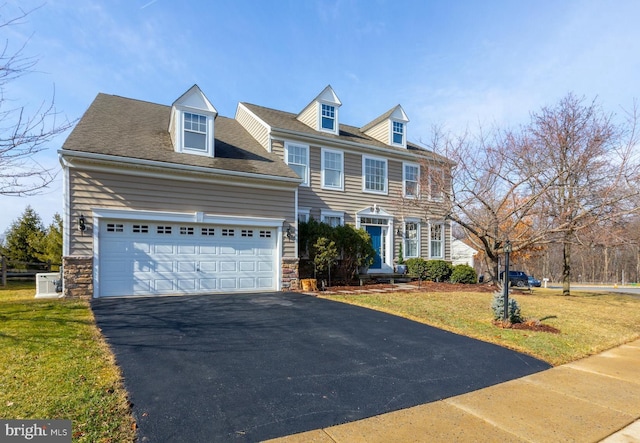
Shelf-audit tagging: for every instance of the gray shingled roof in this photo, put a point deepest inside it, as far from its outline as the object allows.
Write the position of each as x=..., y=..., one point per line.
x=126, y=127
x=288, y=121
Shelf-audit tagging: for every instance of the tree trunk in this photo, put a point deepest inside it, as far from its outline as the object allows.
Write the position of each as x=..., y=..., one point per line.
x=566, y=267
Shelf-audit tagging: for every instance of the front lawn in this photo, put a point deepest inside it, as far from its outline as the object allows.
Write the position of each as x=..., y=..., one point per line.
x=589, y=322
x=55, y=365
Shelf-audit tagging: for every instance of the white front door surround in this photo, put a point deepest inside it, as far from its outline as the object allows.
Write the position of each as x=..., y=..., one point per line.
x=375, y=215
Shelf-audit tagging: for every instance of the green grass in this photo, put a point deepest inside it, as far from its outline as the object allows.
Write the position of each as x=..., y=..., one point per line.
x=55, y=365
x=589, y=322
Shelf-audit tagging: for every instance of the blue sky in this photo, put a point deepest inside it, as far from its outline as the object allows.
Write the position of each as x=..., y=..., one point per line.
x=453, y=63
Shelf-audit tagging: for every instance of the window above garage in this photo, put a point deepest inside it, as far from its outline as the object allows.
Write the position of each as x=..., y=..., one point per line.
x=192, y=123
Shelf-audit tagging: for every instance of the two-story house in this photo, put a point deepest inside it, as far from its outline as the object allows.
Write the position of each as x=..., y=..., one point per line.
x=179, y=200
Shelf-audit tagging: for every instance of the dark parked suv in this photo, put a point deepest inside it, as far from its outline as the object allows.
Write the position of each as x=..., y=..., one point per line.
x=517, y=278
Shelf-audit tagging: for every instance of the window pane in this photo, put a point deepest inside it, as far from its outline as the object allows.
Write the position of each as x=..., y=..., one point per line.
x=398, y=133
x=332, y=178
x=301, y=170
x=195, y=140
x=297, y=160
x=375, y=175
x=328, y=117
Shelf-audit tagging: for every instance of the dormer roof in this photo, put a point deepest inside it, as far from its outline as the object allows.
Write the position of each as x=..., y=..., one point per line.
x=322, y=113
x=192, y=123
x=383, y=128
x=195, y=99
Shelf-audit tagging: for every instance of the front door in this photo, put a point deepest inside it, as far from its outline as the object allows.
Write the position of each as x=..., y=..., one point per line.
x=375, y=232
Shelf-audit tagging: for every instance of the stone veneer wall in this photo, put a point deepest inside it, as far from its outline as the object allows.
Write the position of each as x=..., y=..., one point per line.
x=290, y=274
x=77, y=275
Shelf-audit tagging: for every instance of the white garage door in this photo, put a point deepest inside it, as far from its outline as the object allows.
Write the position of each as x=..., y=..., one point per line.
x=138, y=258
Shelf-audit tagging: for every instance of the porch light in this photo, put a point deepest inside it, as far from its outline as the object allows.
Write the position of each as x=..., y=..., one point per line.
x=289, y=232
x=82, y=226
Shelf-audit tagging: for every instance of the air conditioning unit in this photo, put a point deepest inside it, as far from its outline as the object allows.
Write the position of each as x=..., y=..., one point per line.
x=48, y=285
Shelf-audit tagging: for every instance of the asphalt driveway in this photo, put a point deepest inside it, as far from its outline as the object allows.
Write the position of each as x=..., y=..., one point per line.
x=257, y=366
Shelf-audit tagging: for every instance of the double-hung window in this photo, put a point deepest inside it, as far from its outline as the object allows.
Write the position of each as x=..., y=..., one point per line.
x=332, y=218
x=436, y=183
x=195, y=131
x=436, y=244
x=410, y=179
x=411, y=239
x=397, y=133
x=297, y=157
x=328, y=117
x=332, y=169
x=374, y=175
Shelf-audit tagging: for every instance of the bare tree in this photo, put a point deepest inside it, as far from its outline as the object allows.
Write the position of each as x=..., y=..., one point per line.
x=487, y=194
x=569, y=169
x=22, y=136
x=586, y=170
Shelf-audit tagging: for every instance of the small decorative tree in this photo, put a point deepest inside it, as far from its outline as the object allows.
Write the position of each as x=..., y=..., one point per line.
x=400, y=256
x=325, y=256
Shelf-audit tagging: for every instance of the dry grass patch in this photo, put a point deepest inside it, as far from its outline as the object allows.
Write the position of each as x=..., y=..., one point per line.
x=588, y=322
x=55, y=365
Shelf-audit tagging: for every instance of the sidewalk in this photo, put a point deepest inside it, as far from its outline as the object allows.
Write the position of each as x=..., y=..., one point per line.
x=596, y=399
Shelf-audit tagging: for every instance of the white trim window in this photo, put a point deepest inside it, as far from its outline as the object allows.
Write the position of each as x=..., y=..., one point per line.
x=332, y=218
x=195, y=131
x=397, y=133
x=374, y=175
x=296, y=155
x=410, y=180
x=328, y=117
x=436, y=183
x=332, y=165
x=411, y=239
x=436, y=241
x=303, y=215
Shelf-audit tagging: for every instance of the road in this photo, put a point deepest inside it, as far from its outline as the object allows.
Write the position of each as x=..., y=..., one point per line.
x=631, y=290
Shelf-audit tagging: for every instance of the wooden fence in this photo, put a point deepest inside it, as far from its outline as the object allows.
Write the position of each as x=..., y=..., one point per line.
x=24, y=270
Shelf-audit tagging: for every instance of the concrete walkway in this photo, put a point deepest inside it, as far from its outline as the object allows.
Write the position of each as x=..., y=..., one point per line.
x=596, y=399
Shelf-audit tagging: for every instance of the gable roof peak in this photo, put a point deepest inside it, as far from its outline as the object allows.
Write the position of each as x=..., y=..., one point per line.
x=195, y=98
x=328, y=95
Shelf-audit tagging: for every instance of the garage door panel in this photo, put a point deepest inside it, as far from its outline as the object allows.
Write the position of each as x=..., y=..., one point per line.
x=208, y=284
x=187, y=284
x=228, y=266
x=247, y=266
x=187, y=249
x=164, y=266
x=207, y=250
x=208, y=266
x=247, y=283
x=175, y=258
x=187, y=266
x=228, y=283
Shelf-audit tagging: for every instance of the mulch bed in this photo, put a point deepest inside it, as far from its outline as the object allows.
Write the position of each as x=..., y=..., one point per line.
x=427, y=286
x=530, y=325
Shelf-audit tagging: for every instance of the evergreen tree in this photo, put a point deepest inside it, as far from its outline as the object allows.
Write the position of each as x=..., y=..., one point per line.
x=17, y=245
x=48, y=245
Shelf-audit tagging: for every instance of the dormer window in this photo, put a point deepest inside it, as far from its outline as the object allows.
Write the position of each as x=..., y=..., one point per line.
x=195, y=131
x=191, y=125
x=328, y=117
x=398, y=133
x=322, y=113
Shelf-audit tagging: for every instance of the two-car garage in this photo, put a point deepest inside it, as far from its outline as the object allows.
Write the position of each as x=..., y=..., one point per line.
x=135, y=257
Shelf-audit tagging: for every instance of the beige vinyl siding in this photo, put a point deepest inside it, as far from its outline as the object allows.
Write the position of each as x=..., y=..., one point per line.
x=93, y=190
x=253, y=126
x=380, y=132
x=352, y=199
x=310, y=116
